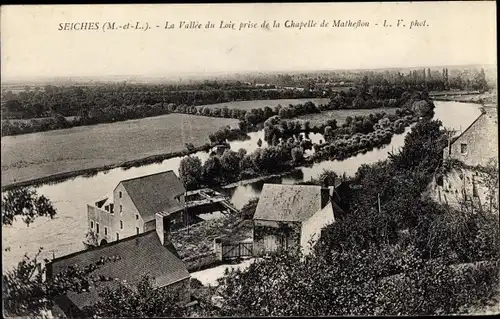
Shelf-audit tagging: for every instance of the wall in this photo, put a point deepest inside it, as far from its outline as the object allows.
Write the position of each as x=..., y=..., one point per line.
x=481, y=139
x=455, y=181
x=150, y=225
x=311, y=228
x=104, y=219
x=128, y=215
x=267, y=236
x=185, y=288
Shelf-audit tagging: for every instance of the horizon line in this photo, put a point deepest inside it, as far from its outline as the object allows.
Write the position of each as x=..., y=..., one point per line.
x=229, y=73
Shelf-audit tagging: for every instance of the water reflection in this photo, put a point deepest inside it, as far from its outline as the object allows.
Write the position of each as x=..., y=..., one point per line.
x=65, y=233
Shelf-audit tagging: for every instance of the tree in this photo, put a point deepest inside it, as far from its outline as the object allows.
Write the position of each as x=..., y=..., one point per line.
x=14, y=106
x=190, y=170
x=297, y=155
x=423, y=108
x=348, y=120
x=248, y=210
x=26, y=293
x=142, y=301
x=390, y=281
x=259, y=143
x=230, y=161
x=307, y=126
x=212, y=170
x=27, y=203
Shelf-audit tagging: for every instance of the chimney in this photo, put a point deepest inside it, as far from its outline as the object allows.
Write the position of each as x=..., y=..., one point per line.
x=327, y=193
x=163, y=228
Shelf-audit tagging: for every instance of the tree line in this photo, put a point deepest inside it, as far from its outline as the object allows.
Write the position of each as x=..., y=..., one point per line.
x=287, y=146
x=55, y=107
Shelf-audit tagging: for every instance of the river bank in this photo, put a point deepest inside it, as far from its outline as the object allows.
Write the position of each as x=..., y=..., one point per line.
x=475, y=97
x=61, y=177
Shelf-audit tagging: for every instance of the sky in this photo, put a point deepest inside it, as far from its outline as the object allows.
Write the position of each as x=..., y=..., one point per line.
x=458, y=33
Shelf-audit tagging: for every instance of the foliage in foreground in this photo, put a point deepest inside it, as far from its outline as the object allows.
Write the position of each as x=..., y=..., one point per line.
x=26, y=293
x=406, y=258
x=392, y=281
x=140, y=301
x=25, y=202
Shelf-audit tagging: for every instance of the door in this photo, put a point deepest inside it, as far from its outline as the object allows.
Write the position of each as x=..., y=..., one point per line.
x=270, y=243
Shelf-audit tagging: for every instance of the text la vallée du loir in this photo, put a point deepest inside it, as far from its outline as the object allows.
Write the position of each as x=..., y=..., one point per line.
x=238, y=26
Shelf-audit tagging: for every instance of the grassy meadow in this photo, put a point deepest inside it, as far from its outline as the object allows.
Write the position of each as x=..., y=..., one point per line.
x=36, y=155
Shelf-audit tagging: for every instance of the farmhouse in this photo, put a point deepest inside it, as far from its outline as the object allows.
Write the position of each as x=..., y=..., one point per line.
x=125, y=261
x=292, y=216
x=468, y=184
x=133, y=206
x=471, y=147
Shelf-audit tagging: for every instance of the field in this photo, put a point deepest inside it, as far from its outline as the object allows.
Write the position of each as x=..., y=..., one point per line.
x=31, y=156
x=341, y=115
x=248, y=105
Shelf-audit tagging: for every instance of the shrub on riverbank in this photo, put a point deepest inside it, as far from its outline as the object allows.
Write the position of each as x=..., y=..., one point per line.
x=375, y=260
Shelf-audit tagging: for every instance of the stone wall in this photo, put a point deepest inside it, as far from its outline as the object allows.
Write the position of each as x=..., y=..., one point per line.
x=480, y=141
x=99, y=218
x=128, y=215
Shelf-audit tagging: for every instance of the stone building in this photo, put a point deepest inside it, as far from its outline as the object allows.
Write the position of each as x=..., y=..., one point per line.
x=129, y=259
x=478, y=144
x=291, y=217
x=133, y=206
x=466, y=182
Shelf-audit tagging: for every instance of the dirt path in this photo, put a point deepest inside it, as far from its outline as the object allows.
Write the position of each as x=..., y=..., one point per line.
x=210, y=276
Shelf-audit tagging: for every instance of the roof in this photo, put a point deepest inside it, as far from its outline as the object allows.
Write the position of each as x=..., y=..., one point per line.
x=139, y=255
x=489, y=117
x=278, y=202
x=154, y=193
x=468, y=128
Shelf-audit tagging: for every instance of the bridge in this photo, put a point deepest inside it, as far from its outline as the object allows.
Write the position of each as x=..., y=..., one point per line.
x=202, y=198
x=205, y=201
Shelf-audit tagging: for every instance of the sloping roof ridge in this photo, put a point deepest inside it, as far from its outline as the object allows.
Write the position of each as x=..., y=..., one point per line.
x=139, y=177
x=468, y=128
x=144, y=176
x=104, y=246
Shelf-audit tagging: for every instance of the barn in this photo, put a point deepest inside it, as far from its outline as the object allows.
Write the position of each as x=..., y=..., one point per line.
x=290, y=217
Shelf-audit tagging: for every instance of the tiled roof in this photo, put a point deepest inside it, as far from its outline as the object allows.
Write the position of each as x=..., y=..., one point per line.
x=278, y=202
x=139, y=255
x=154, y=193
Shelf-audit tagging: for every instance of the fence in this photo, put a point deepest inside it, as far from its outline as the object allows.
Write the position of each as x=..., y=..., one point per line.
x=227, y=251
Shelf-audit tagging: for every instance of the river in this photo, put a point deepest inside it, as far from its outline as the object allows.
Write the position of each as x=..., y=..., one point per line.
x=64, y=234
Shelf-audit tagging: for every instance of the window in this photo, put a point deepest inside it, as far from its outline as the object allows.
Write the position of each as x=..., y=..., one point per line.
x=105, y=230
x=121, y=209
x=91, y=224
x=120, y=194
x=137, y=230
x=463, y=148
x=121, y=224
x=97, y=228
x=136, y=216
x=117, y=236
